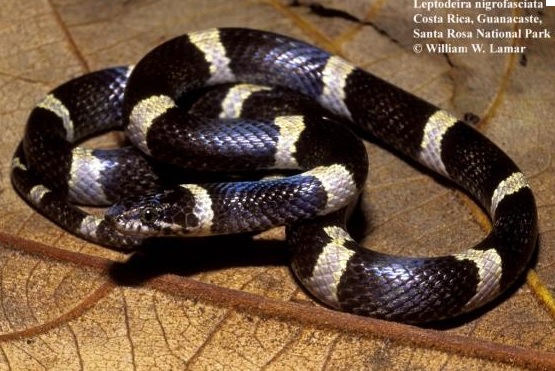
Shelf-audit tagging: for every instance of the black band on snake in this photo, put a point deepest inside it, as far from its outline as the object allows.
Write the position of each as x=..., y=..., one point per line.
x=52, y=174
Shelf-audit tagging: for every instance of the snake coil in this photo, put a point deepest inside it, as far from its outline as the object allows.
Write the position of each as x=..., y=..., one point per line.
x=52, y=174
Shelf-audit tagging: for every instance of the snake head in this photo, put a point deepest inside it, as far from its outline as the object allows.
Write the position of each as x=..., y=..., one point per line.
x=171, y=212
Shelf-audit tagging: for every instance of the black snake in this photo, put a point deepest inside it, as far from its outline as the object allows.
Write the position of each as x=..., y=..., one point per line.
x=51, y=173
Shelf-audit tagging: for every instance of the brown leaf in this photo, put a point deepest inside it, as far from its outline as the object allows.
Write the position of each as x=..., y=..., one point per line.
x=69, y=304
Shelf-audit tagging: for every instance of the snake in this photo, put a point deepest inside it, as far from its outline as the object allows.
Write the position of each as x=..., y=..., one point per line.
x=324, y=159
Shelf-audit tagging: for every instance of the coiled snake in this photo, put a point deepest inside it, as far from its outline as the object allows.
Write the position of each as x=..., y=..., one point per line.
x=51, y=173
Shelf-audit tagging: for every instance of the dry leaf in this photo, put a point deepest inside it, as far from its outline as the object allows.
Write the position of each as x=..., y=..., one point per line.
x=232, y=304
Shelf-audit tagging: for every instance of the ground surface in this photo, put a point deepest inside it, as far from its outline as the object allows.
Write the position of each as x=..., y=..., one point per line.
x=65, y=304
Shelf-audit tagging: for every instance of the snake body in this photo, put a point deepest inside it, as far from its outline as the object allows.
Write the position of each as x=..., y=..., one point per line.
x=313, y=204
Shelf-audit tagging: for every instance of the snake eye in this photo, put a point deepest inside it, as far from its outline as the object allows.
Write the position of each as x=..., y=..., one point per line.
x=149, y=214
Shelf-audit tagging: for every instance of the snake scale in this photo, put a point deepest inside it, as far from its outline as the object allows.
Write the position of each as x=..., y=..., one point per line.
x=53, y=174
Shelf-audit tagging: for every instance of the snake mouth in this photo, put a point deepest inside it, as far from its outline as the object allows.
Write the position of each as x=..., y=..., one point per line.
x=127, y=220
